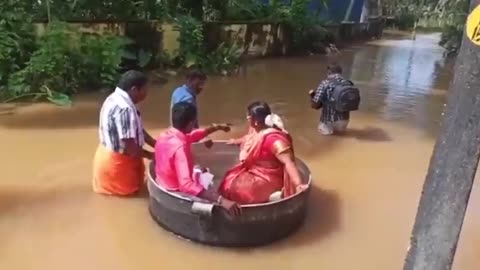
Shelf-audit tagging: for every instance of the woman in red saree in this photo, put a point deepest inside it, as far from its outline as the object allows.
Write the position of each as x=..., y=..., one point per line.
x=267, y=162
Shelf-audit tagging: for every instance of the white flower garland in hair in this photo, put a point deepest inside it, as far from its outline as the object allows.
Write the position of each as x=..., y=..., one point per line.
x=273, y=120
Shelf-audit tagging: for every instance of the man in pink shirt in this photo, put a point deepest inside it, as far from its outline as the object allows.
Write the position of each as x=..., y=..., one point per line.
x=174, y=160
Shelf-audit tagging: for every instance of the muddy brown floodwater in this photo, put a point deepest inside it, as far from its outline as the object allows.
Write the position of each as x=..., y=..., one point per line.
x=367, y=184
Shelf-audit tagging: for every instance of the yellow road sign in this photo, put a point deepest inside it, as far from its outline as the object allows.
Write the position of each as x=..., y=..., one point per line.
x=473, y=26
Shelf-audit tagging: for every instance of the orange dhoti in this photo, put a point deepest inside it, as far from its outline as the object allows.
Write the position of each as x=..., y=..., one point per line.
x=116, y=173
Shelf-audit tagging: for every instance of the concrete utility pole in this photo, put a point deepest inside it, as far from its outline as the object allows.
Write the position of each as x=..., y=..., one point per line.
x=380, y=7
x=453, y=164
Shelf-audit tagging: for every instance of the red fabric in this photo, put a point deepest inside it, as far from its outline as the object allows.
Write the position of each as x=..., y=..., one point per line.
x=174, y=161
x=252, y=181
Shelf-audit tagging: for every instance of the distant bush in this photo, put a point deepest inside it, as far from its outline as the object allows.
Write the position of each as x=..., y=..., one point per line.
x=17, y=42
x=405, y=21
x=451, y=39
x=192, y=53
x=65, y=61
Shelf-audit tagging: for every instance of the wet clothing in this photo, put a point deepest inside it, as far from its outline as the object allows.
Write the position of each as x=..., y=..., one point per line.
x=115, y=173
x=259, y=173
x=324, y=93
x=174, y=161
x=119, y=119
x=331, y=127
x=184, y=94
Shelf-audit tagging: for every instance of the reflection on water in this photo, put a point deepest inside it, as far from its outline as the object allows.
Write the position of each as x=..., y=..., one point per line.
x=406, y=74
x=400, y=80
x=367, y=183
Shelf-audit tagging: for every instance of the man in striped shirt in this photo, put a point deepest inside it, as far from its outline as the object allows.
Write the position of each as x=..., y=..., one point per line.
x=118, y=167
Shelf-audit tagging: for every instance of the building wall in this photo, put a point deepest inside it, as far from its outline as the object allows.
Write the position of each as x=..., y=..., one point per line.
x=255, y=39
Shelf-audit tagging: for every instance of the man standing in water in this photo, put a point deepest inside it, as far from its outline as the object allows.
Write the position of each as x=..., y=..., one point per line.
x=118, y=167
x=337, y=97
x=188, y=93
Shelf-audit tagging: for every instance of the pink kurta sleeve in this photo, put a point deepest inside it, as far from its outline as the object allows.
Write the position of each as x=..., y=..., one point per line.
x=197, y=135
x=186, y=184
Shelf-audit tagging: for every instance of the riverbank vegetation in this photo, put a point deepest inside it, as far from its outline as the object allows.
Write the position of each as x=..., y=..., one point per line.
x=446, y=16
x=59, y=60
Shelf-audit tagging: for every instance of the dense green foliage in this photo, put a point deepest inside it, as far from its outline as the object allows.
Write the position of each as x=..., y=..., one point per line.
x=255, y=10
x=64, y=61
x=304, y=23
x=67, y=59
x=61, y=60
x=17, y=40
x=451, y=39
x=192, y=53
x=452, y=33
x=450, y=15
x=92, y=10
x=102, y=10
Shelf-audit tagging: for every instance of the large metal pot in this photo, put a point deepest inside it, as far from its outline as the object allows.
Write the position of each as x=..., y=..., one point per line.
x=203, y=222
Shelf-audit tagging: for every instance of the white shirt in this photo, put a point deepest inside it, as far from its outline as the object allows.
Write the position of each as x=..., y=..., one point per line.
x=119, y=120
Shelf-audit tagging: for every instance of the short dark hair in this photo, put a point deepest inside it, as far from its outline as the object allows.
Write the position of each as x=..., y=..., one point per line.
x=258, y=111
x=183, y=113
x=335, y=68
x=196, y=74
x=132, y=78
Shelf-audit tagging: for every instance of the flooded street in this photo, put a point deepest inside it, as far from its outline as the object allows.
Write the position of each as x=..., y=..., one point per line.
x=367, y=184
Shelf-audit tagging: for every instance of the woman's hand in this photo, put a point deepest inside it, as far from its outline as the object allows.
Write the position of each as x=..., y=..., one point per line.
x=230, y=206
x=216, y=127
x=290, y=167
x=223, y=127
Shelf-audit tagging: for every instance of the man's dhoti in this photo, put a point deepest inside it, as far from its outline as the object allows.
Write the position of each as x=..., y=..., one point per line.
x=116, y=173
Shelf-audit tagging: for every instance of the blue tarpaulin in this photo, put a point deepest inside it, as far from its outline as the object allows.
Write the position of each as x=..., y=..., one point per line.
x=336, y=10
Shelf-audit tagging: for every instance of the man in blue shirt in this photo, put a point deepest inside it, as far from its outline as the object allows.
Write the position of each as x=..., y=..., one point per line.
x=188, y=92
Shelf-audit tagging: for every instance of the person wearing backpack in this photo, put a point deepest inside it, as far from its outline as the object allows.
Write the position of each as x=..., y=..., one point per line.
x=337, y=97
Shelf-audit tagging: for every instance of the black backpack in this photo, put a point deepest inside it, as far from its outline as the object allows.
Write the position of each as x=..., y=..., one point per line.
x=345, y=97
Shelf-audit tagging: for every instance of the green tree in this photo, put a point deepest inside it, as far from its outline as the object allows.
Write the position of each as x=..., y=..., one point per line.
x=451, y=14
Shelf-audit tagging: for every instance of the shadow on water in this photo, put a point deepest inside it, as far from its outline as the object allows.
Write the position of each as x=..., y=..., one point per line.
x=58, y=118
x=323, y=219
x=31, y=199
x=371, y=134
x=84, y=112
x=312, y=144
x=82, y=115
